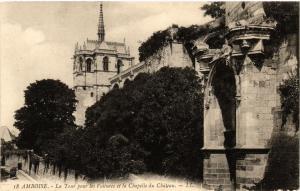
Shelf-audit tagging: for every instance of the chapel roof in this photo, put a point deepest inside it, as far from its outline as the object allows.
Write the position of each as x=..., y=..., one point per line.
x=93, y=45
x=101, y=45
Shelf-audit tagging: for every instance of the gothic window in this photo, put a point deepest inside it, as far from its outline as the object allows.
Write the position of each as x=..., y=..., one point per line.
x=80, y=64
x=92, y=94
x=119, y=65
x=89, y=65
x=105, y=63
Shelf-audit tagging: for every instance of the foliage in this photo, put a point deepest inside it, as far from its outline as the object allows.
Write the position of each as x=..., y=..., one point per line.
x=186, y=35
x=214, y=9
x=283, y=169
x=64, y=150
x=289, y=91
x=47, y=112
x=153, y=44
x=285, y=13
x=151, y=124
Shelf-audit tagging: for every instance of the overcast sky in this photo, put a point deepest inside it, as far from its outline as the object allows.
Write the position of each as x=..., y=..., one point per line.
x=38, y=38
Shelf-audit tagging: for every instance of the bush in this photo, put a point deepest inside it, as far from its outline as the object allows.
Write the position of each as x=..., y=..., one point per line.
x=289, y=91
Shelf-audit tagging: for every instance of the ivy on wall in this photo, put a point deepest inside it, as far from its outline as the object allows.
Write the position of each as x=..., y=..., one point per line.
x=153, y=44
x=289, y=91
x=185, y=35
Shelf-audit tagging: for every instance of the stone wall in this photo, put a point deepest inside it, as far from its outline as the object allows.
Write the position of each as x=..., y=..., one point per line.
x=242, y=111
x=216, y=172
x=42, y=171
x=250, y=169
x=173, y=54
x=258, y=97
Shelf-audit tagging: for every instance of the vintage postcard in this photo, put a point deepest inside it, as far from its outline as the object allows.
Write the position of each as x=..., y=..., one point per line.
x=168, y=96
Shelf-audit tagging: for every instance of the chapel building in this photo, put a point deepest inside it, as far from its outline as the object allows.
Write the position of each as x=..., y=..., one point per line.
x=95, y=61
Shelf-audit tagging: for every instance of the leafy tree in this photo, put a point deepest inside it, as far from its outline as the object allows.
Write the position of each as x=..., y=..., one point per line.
x=64, y=150
x=157, y=121
x=47, y=112
x=214, y=9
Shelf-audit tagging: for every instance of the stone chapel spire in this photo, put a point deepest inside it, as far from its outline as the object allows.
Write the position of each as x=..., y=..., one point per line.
x=101, y=31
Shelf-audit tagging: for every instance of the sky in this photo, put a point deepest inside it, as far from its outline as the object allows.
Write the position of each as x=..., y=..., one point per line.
x=38, y=38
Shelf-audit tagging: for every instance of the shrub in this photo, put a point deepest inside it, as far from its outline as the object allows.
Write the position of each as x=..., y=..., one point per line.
x=289, y=91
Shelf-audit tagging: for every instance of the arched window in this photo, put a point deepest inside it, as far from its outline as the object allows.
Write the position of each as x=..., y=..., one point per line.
x=119, y=66
x=80, y=64
x=105, y=63
x=89, y=65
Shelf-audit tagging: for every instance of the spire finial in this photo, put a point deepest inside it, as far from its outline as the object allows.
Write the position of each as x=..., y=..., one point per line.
x=101, y=31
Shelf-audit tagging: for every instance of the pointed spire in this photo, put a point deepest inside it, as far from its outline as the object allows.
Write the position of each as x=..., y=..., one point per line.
x=101, y=31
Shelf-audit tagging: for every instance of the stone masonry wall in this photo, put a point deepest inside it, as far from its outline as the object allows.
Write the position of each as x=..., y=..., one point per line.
x=42, y=172
x=173, y=55
x=250, y=169
x=258, y=97
x=216, y=172
x=259, y=71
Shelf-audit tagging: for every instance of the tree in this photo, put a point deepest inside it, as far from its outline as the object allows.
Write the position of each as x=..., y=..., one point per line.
x=47, y=112
x=214, y=9
x=158, y=119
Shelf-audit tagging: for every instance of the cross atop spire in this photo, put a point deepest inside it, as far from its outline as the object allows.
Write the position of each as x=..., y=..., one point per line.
x=101, y=31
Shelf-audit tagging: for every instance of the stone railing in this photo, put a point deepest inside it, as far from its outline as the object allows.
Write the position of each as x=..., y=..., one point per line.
x=129, y=73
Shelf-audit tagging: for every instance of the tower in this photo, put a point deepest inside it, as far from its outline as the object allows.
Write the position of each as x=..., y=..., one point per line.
x=94, y=63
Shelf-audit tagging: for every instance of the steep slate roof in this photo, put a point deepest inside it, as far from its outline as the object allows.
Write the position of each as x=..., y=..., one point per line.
x=119, y=47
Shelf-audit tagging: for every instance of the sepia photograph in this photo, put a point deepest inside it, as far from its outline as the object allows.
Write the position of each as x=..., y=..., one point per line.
x=142, y=96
